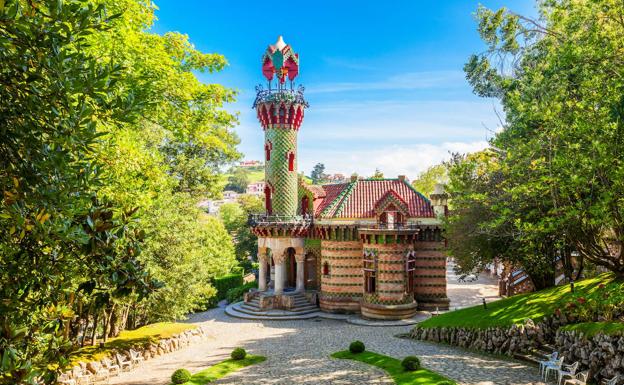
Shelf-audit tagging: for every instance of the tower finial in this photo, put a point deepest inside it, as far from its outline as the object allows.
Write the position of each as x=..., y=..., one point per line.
x=280, y=44
x=280, y=60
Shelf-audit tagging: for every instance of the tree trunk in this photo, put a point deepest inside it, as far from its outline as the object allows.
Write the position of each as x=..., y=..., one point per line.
x=94, y=332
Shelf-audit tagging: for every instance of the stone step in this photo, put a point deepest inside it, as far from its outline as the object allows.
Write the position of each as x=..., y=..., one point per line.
x=298, y=309
x=275, y=313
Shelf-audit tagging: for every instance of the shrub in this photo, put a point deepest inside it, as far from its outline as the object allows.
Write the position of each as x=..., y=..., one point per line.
x=356, y=347
x=445, y=383
x=180, y=376
x=236, y=294
x=410, y=363
x=238, y=354
x=227, y=282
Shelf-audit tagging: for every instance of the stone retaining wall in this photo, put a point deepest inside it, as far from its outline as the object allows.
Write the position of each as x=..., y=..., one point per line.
x=154, y=349
x=602, y=355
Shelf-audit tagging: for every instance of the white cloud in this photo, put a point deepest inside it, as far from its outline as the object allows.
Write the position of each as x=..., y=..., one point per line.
x=392, y=160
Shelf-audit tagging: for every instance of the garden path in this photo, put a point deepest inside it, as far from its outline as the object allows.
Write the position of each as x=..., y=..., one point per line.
x=298, y=353
x=469, y=293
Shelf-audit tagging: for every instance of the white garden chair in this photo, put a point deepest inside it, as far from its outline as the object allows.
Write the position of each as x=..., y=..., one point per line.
x=612, y=381
x=80, y=377
x=123, y=363
x=554, y=367
x=578, y=379
x=112, y=368
x=99, y=372
x=135, y=357
x=567, y=371
x=542, y=364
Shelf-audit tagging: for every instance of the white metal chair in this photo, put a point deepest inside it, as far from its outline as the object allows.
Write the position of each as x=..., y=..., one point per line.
x=123, y=363
x=554, y=366
x=567, y=371
x=80, y=377
x=99, y=372
x=135, y=357
x=542, y=364
x=612, y=381
x=578, y=379
x=112, y=368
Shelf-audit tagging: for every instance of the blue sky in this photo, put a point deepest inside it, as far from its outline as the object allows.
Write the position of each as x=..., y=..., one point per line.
x=384, y=79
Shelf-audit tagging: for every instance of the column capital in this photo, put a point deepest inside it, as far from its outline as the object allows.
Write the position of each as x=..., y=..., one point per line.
x=299, y=257
x=279, y=255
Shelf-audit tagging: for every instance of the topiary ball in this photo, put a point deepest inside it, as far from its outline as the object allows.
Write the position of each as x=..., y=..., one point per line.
x=445, y=383
x=180, y=376
x=411, y=363
x=357, y=347
x=238, y=354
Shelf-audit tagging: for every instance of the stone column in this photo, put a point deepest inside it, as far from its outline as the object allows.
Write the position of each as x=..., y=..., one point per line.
x=280, y=271
x=262, y=273
x=300, y=258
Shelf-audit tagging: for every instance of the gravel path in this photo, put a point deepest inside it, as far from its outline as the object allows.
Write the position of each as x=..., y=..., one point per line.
x=298, y=353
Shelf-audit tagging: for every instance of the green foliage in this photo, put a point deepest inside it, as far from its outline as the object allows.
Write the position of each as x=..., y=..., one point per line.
x=226, y=282
x=518, y=308
x=377, y=175
x=591, y=329
x=238, y=180
x=222, y=369
x=560, y=162
x=356, y=347
x=393, y=367
x=238, y=354
x=426, y=180
x=236, y=294
x=235, y=216
x=410, y=363
x=180, y=376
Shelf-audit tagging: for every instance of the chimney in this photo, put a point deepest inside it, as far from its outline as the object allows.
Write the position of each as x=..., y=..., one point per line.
x=354, y=178
x=402, y=178
x=439, y=200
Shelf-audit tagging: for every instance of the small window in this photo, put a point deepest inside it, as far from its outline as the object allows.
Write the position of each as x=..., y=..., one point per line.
x=305, y=203
x=370, y=272
x=291, y=161
x=410, y=269
x=267, y=200
x=267, y=150
x=326, y=268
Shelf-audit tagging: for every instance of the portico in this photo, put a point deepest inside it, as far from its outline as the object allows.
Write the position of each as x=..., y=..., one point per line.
x=276, y=254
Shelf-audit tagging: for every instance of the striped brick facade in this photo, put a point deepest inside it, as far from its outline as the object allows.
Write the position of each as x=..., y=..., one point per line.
x=342, y=288
x=430, y=274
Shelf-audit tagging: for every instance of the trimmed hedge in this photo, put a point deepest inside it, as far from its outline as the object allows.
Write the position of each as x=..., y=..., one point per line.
x=357, y=347
x=410, y=363
x=227, y=282
x=236, y=294
x=238, y=354
x=180, y=376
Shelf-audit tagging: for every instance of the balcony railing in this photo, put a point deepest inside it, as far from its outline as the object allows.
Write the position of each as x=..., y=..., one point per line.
x=280, y=95
x=391, y=226
x=272, y=220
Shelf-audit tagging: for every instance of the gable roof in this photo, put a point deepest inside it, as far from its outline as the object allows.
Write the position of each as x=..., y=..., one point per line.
x=359, y=199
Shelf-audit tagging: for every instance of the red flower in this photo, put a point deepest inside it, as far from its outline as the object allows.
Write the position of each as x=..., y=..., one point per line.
x=581, y=300
x=601, y=286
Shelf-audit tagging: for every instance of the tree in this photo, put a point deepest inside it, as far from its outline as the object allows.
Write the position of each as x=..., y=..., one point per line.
x=318, y=175
x=57, y=239
x=235, y=216
x=426, y=180
x=378, y=174
x=238, y=180
x=560, y=150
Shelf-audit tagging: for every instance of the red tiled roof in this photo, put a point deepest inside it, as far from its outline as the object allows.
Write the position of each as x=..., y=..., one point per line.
x=358, y=199
x=332, y=191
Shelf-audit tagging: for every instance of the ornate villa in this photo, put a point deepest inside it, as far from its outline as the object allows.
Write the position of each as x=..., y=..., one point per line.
x=369, y=246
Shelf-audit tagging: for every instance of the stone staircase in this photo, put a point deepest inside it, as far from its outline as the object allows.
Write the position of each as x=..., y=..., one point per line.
x=251, y=310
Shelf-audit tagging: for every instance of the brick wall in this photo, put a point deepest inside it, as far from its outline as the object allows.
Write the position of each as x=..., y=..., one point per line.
x=342, y=288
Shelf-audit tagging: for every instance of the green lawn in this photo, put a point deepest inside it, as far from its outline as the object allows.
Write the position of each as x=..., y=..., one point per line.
x=131, y=339
x=222, y=369
x=590, y=329
x=393, y=367
x=518, y=308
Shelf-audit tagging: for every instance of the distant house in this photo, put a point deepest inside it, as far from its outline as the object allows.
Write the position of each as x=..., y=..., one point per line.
x=256, y=188
x=250, y=163
x=230, y=196
x=336, y=178
x=212, y=206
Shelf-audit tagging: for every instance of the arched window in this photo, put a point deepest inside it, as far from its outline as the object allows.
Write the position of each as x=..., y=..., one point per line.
x=267, y=199
x=326, y=268
x=305, y=203
x=410, y=269
x=291, y=161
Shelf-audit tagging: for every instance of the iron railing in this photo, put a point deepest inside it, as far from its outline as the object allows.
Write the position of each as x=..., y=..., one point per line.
x=280, y=95
x=269, y=220
x=395, y=226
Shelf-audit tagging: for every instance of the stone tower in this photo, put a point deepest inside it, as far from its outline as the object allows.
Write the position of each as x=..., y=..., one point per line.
x=280, y=231
x=280, y=110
